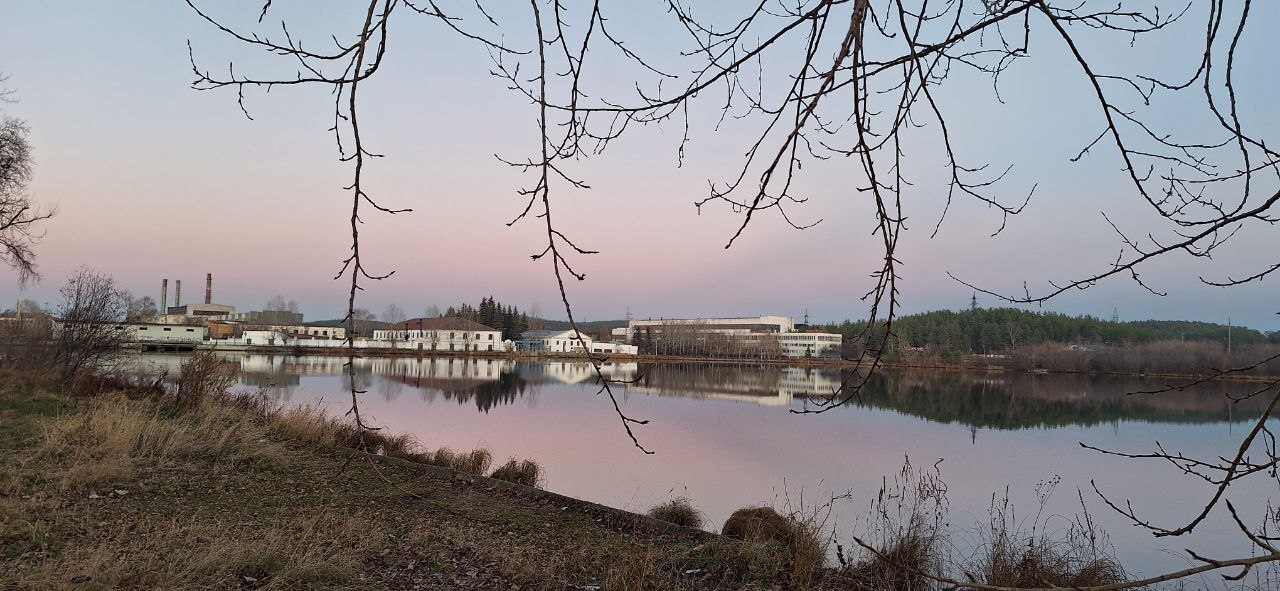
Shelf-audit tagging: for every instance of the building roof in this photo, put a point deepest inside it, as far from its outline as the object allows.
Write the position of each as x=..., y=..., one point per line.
x=442, y=323
x=534, y=335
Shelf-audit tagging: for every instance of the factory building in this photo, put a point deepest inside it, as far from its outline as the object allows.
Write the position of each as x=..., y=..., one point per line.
x=755, y=336
x=179, y=313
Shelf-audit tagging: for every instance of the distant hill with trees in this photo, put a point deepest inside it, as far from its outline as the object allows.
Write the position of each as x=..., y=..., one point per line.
x=983, y=330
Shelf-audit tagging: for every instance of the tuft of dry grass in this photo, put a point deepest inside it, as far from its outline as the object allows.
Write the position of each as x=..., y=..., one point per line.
x=476, y=461
x=113, y=435
x=526, y=472
x=1038, y=561
x=753, y=524
x=679, y=511
x=801, y=538
x=897, y=564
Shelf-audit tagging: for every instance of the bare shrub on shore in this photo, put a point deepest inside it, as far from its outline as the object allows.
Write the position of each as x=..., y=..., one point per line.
x=203, y=375
x=904, y=533
x=526, y=472
x=679, y=511
x=1036, y=554
x=799, y=535
x=87, y=335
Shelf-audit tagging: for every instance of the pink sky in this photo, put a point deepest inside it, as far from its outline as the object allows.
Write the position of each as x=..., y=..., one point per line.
x=153, y=180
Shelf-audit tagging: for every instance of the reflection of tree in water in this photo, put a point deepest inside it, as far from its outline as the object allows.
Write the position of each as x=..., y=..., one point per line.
x=1023, y=401
x=486, y=393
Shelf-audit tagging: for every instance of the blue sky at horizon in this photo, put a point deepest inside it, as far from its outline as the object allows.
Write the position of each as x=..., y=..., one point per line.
x=153, y=179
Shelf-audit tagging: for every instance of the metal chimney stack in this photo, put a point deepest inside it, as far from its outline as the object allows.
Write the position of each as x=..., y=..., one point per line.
x=208, y=288
x=177, y=296
x=164, y=296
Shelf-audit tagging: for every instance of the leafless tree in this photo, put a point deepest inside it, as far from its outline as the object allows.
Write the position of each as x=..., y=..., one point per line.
x=393, y=314
x=361, y=322
x=860, y=82
x=139, y=309
x=19, y=218
x=432, y=311
x=87, y=332
x=535, y=317
x=279, y=304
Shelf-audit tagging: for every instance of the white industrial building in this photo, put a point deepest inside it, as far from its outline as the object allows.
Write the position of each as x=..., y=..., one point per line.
x=756, y=335
x=442, y=334
x=614, y=348
x=554, y=341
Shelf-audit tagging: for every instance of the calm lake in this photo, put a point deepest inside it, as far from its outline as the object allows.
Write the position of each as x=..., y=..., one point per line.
x=724, y=436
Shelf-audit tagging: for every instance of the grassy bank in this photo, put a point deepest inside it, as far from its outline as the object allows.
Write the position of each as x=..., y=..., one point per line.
x=114, y=485
x=108, y=484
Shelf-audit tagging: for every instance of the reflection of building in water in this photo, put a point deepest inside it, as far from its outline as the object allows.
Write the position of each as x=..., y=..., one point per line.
x=576, y=372
x=444, y=368
x=487, y=382
x=764, y=385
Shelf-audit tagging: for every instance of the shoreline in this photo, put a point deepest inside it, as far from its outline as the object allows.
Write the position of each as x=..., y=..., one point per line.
x=798, y=362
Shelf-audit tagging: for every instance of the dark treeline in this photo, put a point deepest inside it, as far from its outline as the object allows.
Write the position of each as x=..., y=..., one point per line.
x=989, y=330
x=509, y=319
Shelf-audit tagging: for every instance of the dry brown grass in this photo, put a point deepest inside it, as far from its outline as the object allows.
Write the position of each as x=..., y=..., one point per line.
x=526, y=472
x=1038, y=562
x=476, y=461
x=758, y=524
x=114, y=435
x=801, y=537
x=679, y=511
x=896, y=566
x=322, y=551
x=203, y=375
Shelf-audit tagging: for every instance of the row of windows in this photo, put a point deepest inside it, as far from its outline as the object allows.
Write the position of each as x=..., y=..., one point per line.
x=165, y=329
x=418, y=334
x=811, y=337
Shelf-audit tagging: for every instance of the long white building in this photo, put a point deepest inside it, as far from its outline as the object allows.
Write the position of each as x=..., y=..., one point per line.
x=442, y=334
x=762, y=336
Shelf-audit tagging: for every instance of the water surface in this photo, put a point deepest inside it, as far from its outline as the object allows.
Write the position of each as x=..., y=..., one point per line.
x=725, y=436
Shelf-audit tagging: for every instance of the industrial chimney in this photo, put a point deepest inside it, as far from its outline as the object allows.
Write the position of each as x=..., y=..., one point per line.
x=164, y=296
x=177, y=295
x=208, y=288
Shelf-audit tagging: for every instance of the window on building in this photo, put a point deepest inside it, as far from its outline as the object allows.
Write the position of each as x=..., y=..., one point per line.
x=168, y=329
x=191, y=330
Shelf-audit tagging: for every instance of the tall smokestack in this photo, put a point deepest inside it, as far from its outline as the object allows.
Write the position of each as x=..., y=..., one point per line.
x=164, y=296
x=208, y=288
x=177, y=295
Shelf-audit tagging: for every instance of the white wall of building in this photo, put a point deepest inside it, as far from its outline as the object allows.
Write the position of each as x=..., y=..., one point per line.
x=442, y=340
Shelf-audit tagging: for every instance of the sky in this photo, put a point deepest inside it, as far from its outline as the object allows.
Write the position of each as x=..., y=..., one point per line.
x=153, y=180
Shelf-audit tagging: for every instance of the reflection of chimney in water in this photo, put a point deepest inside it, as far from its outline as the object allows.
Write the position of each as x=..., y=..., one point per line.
x=208, y=288
x=164, y=296
x=177, y=293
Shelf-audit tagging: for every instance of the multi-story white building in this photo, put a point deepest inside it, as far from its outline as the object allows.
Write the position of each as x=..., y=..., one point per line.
x=763, y=336
x=442, y=334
